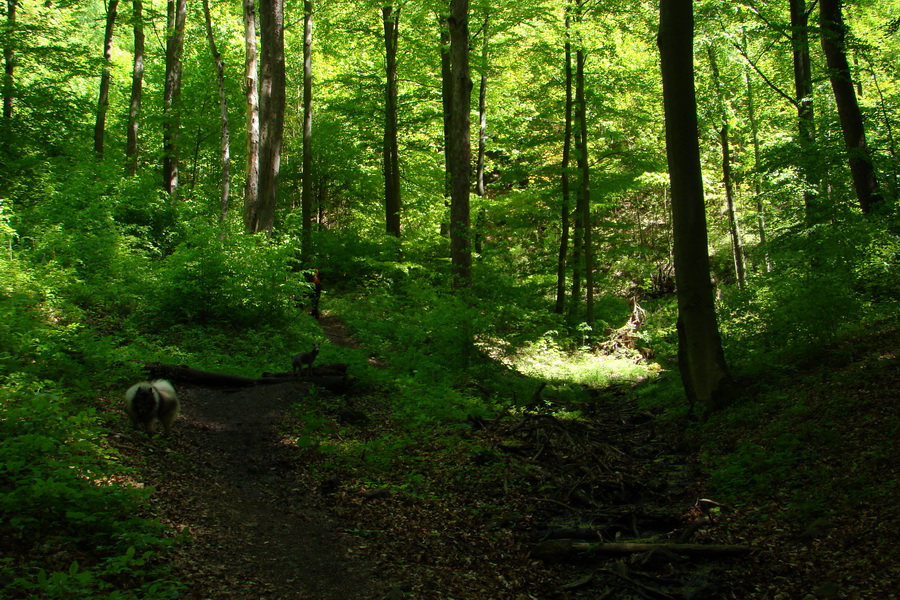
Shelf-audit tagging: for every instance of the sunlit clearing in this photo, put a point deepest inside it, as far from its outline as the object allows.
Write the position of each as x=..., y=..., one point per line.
x=546, y=360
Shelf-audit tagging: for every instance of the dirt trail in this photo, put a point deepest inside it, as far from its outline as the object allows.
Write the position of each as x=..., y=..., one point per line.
x=228, y=479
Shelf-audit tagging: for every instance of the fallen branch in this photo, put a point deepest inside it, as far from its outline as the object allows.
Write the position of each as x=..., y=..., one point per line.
x=185, y=374
x=688, y=549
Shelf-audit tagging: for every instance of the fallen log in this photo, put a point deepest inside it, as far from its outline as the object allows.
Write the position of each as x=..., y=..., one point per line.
x=185, y=374
x=686, y=549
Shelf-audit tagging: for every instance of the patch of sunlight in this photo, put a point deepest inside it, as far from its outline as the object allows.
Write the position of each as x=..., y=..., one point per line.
x=545, y=359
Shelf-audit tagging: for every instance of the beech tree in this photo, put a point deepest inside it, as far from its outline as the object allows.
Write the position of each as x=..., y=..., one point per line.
x=701, y=359
x=306, y=193
x=806, y=121
x=223, y=111
x=584, y=190
x=392, y=198
x=460, y=152
x=251, y=93
x=137, y=82
x=565, y=207
x=834, y=34
x=105, y=76
x=175, y=23
x=724, y=132
x=9, y=62
x=272, y=99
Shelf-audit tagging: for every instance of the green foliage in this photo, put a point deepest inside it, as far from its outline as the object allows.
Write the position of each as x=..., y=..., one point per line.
x=823, y=283
x=228, y=278
x=61, y=490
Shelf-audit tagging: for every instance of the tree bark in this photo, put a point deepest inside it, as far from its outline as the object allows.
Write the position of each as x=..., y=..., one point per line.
x=700, y=550
x=737, y=246
x=482, y=109
x=103, y=98
x=460, y=151
x=584, y=198
x=326, y=376
x=862, y=171
x=564, y=179
x=176, y=16
x=251, y=92
x=701, y=358
x=806, y=123
x=9, y=60
x=137, y=83
x=392, y=198
x=306, y=194
x=754, y=136
x=223, y=113
x=478, y=229
x=272, y=97
x=446, y=107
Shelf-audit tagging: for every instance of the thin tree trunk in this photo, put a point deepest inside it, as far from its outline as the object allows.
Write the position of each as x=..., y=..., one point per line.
x=223, y=112
x=478, y=232
x=737, y=246
x=307, y=191
x=584, y=166
x=833, y=44
x=105, y=76
x=447, y=109
x=701, y=358
x=806, y=123
x=566, y=155
x=392, y=199
x=251, y=83
x=272, y=99
x=137, y=83
x=460, y=151
x=176, y=16
x=482, y=110
x=9, y=60
x=760, y=208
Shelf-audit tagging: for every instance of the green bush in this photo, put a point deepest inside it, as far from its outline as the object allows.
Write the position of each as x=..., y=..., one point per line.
x=70, y=528
x=222, y=277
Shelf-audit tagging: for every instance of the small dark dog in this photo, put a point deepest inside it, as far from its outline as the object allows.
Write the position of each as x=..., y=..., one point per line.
x=149, y=401
x=304, y=359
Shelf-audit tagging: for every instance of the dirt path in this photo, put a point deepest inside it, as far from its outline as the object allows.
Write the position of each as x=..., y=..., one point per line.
x=229, y=481
x=227, y=478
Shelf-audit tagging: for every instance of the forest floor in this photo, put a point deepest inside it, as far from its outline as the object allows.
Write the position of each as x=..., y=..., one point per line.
x=513, y=507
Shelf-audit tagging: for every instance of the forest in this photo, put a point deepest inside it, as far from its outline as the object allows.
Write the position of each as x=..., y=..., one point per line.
x=460, y=299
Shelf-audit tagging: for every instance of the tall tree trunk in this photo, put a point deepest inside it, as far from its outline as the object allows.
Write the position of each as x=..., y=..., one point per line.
x=460, y=151
x=754, y=134
x=737, y=246
x=223, y=112
x=478, y=229
x=306, y=194
x=176, y=16
x=137, y=83
x=251, y=91
x=833, y=44
x=272, y=98
x=392, y=200
x=806, y=122
x=701, y=358
x=584, y=198
x=566, y=156
x=446, y=107
x=578, y=222
x=105, y=76
x=9, y=62
x=482, y=109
